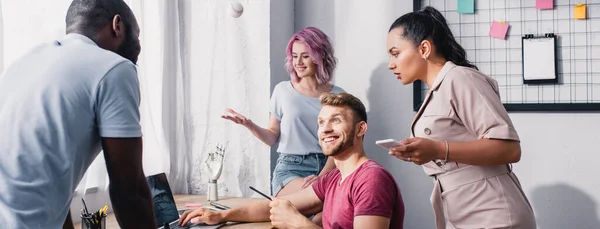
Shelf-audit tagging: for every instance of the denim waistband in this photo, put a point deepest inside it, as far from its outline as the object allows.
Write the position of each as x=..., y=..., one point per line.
x=303, y=155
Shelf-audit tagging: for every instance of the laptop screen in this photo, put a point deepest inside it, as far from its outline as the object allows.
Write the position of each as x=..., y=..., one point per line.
x=165, y=209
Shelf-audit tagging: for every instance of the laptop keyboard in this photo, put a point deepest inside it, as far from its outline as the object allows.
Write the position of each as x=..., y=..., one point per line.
x=175, y=225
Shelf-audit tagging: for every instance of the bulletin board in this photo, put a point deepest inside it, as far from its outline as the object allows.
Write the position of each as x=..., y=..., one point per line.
x=577, y=44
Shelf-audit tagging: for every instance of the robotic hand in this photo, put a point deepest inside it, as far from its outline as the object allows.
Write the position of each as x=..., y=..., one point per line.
x=214, y=164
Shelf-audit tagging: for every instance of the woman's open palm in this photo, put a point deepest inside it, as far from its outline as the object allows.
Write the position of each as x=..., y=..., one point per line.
x=236, y=117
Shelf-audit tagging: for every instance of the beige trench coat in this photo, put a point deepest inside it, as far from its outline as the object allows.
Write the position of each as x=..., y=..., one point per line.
x=464, y=105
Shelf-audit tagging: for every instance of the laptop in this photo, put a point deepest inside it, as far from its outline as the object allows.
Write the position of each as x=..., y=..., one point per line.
x=165, y=210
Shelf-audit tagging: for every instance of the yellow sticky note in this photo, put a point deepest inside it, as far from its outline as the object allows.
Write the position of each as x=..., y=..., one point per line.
x=579, y=11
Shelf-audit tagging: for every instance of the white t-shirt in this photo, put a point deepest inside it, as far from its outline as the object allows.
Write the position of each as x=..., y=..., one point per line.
x=56, y=102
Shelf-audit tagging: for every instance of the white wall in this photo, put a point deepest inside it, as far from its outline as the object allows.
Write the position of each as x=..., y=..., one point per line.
x=560, y=155
x=558, y=168
x=44, y=18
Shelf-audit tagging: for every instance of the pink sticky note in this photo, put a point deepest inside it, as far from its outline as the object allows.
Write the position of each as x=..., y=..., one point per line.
x=499, y=29
x=193, y=205
x=544, y=4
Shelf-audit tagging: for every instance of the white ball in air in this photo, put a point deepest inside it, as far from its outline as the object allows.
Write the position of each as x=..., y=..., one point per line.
x=236, y=9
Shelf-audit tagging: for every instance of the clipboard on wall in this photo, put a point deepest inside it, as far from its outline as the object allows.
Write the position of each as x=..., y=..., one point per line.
x=539, y=59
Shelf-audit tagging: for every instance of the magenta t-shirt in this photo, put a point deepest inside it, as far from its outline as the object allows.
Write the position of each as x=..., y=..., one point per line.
x=369, y=190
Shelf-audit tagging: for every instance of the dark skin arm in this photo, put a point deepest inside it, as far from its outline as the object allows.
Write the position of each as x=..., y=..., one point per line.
x=68, y=222
x=129, y=191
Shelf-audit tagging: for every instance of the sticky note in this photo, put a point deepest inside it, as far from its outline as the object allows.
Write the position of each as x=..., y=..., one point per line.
x=193, y=205
x=544, y=4
x=466, y=6
x=579, y=11
x=499, y=29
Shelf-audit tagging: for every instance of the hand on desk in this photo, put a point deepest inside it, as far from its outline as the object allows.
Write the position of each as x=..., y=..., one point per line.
x=285, y=215
x=200, y=215
x=280, y=212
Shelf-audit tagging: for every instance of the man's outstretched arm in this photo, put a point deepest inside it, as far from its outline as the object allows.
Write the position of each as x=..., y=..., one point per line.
x=304, y=202
x=129, y=191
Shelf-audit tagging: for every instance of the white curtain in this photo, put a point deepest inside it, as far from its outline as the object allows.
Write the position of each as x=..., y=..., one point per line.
x=1, y=39
x=159, y=71
x=196, y=61
x=229, y=66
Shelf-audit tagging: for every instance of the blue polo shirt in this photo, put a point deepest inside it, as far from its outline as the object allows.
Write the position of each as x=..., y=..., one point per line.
x=56, y=103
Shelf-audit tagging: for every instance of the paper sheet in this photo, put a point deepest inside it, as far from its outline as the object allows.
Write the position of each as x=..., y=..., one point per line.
x=538, y=58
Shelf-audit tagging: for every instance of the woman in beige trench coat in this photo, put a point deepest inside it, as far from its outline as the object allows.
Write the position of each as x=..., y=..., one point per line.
x=462, y=135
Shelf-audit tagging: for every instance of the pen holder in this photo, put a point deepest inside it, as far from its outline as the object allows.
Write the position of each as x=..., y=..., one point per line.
x=93, y=221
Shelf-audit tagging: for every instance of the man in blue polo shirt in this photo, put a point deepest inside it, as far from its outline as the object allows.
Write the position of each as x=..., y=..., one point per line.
x=63, y=102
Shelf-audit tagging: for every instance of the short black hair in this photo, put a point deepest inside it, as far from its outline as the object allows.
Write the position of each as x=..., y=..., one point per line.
x=429, y=24
x=89, y=16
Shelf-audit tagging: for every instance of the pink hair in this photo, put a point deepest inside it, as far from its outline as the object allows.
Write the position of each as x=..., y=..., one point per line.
x=319, y=49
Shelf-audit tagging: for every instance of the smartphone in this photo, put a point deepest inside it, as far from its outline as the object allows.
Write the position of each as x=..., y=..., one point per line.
x=388, y=143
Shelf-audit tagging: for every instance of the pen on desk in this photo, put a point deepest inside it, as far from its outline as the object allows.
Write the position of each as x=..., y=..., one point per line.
x=219, y=206
x=253, y=189
x=212, y=208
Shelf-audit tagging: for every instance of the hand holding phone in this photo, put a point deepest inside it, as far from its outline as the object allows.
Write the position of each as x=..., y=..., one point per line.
x=388, y=143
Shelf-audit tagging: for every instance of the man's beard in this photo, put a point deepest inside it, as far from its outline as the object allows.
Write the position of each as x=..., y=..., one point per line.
x=347, y=143
x=128, y=49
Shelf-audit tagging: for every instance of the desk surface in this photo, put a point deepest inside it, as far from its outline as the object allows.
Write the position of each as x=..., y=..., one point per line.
x=181, y=200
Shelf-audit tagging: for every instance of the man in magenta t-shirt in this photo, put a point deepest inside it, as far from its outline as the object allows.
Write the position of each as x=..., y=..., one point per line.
x=359, y=193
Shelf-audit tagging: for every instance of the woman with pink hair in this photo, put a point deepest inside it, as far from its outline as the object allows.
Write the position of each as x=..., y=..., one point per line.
x=293, y=113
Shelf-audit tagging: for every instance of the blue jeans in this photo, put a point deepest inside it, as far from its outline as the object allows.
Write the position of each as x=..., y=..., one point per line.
x=292, y=166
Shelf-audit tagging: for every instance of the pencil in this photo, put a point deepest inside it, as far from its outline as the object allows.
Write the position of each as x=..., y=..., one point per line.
x=269, y=198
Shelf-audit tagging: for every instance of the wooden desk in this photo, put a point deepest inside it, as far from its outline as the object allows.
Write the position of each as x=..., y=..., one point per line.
x=181, y=200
